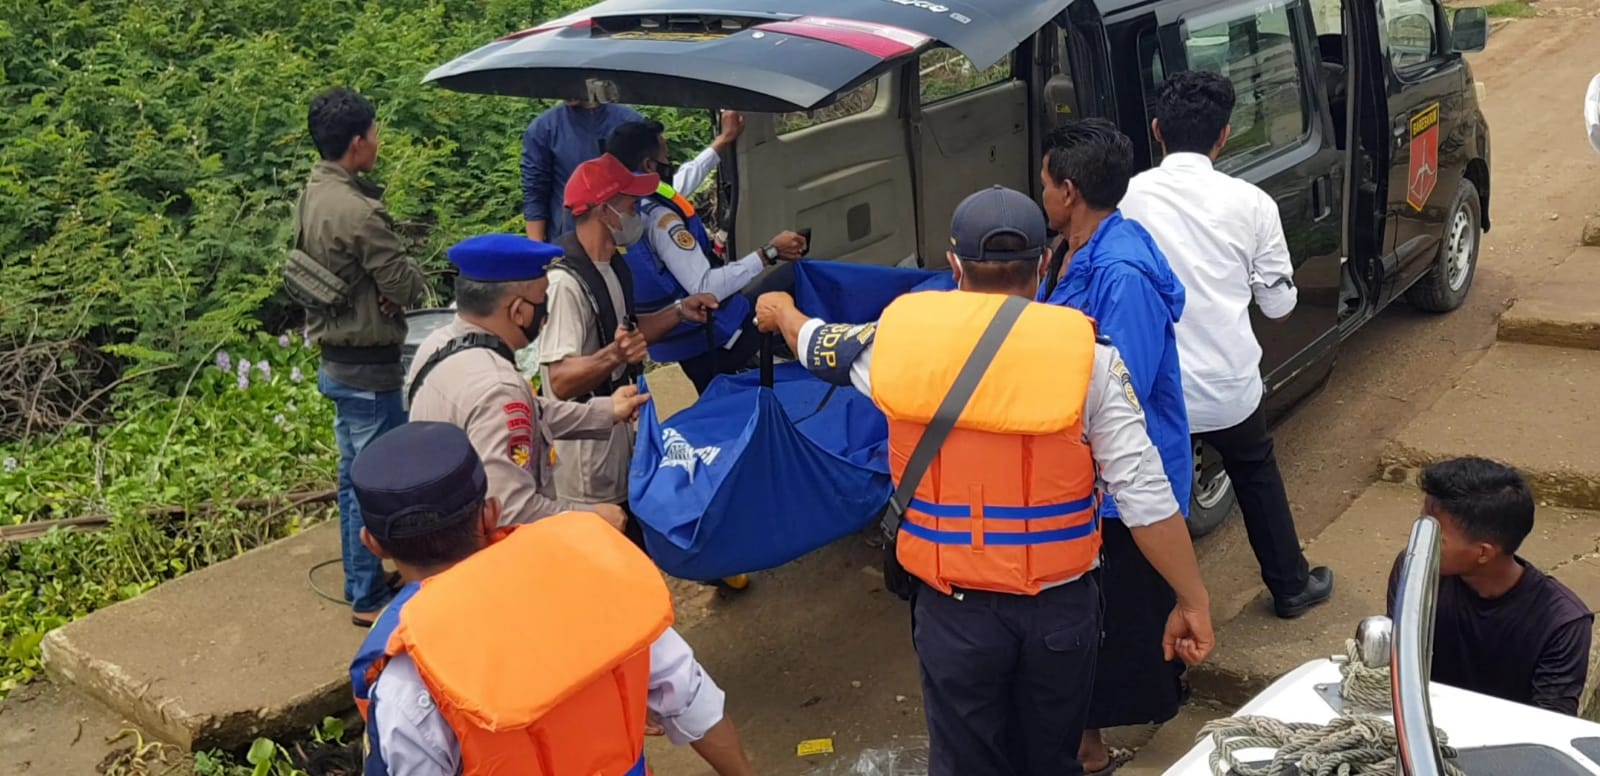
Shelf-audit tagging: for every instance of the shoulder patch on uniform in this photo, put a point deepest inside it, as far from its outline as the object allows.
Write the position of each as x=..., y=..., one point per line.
x=666, y=219
x=518, y=408
x=521, y=451
x=1119, y=372
x=681, y=237
x=835, y=347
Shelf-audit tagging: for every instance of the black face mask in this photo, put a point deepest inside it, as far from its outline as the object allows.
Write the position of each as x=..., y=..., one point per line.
x=531, y=331
x=667, y=171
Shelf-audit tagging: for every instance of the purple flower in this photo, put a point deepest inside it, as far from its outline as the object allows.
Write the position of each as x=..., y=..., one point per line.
x=244, y=368
x=266, y=370
x=244, y=381
x=224, y=361
x=283, y=340
x=280, y=420
x=11, y=464
x=295, y=376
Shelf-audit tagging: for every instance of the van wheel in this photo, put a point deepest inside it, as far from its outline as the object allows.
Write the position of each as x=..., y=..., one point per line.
x=1445, y=286
x=1212, y=499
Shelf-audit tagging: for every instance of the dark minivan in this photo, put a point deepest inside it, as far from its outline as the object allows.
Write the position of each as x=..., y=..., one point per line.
x=868, y=120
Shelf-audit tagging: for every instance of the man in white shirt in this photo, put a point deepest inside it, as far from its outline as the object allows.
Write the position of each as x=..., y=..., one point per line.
x=1224, y=240
x=677, y=258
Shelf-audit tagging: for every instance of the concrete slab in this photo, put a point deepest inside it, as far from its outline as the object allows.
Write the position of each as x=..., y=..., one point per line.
x=215, y=658
x=1255, y=647
x=45, y=730
x=1560, y=309
x=1529, y=406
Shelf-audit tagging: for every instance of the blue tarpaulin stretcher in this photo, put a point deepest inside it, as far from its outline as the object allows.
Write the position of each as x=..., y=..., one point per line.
x=753, y=476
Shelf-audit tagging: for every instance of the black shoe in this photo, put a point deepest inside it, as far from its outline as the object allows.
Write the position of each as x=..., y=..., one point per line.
x=1319, y=588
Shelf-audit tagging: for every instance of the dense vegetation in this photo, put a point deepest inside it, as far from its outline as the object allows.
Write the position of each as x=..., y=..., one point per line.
x=152, y=153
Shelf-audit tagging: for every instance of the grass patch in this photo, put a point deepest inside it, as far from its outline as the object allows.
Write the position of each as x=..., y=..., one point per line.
x=1510, y=9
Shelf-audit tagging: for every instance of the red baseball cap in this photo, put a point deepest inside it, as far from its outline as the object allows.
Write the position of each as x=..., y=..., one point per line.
x=596, y=181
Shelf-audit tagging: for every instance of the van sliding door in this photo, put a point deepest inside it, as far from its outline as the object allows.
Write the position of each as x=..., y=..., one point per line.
x=843, y=171
x=973, y=134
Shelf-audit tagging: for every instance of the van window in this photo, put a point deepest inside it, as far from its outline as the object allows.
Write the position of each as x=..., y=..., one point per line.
x=856, y=101
x=1255, y=49
x=944, y=73
x=1412, y=27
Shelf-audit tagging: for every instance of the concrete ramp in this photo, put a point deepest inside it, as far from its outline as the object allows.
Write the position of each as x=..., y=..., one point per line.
x=217, y=657
x=1563, y=309
x=1529, y=406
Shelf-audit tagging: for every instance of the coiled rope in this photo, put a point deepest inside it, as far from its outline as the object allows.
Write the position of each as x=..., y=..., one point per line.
x=1352, y=744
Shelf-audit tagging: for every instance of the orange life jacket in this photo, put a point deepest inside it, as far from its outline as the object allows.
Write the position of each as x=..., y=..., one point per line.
x=536, y=649
x=1008, y=505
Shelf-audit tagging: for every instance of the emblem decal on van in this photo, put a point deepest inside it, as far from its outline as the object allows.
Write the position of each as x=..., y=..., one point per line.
x=1424, y=157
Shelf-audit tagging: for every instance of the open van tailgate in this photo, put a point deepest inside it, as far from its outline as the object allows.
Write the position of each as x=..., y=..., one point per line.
x=737, y=54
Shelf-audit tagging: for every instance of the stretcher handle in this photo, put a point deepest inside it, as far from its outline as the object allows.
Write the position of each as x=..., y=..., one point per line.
x=768, y=345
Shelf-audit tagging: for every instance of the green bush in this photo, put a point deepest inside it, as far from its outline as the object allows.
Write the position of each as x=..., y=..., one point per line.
x=154, y=149
x=224, y=439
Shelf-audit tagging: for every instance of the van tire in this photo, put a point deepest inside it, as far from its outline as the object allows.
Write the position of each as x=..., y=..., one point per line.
x=1445, y=286
x=1212, y=498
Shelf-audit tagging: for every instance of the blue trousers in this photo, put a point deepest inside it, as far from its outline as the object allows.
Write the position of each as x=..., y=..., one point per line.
x=359, y=418
x=1006, y=679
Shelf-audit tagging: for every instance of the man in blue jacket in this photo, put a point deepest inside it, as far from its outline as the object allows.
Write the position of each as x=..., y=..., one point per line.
x=1110, y=269
x=555, y=143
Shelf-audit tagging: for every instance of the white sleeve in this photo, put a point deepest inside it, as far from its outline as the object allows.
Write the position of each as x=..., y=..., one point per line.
x=682, y=695
x=1130, y=465
x=1271, y=268
x=673, y=244
x=693, y=173
x=860, y=365
x=1591, y=113
x=412, y=736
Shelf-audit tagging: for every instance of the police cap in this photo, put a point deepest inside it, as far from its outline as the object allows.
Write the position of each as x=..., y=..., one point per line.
x=994, y=212
x=419, y=479
x=502, y=258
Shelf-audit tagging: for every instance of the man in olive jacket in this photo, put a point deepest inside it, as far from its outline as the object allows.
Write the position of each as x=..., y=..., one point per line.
x=341, y=223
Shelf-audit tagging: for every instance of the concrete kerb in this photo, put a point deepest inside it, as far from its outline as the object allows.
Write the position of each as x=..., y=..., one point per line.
x=1559, y=311
x=218, y=657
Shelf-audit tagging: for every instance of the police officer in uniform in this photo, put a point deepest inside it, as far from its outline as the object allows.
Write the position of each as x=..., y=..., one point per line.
x=448, y=684
x=1006, y=418
x=677, y=258
x=465, y=373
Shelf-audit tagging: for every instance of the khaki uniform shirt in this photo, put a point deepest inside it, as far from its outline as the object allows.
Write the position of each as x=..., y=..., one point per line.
x=511, y=429
x=592, y=470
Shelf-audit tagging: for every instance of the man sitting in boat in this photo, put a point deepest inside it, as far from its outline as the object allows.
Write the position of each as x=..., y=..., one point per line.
x=1503, y=627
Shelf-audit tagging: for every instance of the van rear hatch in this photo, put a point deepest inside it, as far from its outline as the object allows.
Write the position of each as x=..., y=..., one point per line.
x=738, y=54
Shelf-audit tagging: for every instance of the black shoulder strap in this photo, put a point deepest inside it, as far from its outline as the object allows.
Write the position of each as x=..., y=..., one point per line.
x=955, y=400
x=462, y=343
x=1052, y=273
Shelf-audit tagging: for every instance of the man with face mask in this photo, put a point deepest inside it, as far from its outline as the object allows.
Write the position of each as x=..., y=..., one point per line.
x=465, y=374
x=594, y=345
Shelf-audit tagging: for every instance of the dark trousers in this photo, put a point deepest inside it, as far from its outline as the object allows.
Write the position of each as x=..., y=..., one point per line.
x=1248, y=457
x=1006, y=679
x=744, y=354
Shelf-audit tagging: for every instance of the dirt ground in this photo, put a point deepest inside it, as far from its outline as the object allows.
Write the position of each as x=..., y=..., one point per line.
x=818, y=650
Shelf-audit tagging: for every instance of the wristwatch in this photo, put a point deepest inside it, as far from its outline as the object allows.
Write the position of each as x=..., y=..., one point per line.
x=769, y=254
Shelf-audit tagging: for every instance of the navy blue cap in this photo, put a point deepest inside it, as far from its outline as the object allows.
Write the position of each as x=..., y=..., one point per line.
x=991, y=213
x=419, y=479
x=502, y=258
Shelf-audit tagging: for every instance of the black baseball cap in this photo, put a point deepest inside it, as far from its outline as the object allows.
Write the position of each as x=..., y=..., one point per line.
x=417, y=480
x=993, y=212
